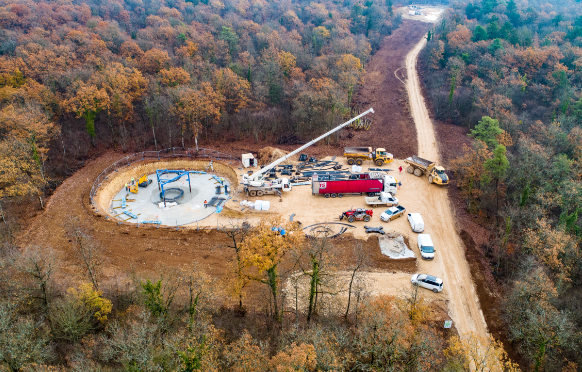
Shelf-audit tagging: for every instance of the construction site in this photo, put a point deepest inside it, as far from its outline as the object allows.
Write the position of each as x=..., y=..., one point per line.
x=173, y=209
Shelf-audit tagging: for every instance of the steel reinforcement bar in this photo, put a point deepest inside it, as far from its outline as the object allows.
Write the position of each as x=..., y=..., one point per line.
x=173, y=152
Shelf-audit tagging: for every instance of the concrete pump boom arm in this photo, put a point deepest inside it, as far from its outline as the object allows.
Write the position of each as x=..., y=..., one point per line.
x=255, y=175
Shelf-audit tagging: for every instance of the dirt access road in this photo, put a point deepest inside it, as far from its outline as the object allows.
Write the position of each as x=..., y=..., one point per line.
x=451, y=261
x=392, y=126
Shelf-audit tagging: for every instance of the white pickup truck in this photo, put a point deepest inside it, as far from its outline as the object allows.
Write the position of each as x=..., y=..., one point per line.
x=385, y=198
x=392, y=213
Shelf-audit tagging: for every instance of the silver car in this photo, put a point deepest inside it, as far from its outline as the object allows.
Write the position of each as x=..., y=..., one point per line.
x=428, y=281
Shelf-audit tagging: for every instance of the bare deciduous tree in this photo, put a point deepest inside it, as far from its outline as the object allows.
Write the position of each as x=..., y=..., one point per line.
x=315, y=261
x=38, y=265
x=356, y=285
x=89, y=253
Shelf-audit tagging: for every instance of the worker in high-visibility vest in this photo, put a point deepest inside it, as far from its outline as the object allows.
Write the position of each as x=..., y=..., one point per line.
x=126, y=187
x=132, y=181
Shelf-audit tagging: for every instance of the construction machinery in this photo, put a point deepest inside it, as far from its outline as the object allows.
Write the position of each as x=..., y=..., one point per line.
x=358, y=155
x=419, y=166
x=144, y=181
x=269, y=188
x=255, y=182
x=358, y=214
x=133, y=188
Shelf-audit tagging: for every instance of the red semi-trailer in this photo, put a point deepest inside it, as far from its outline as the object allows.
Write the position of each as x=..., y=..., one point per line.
x=364, y=184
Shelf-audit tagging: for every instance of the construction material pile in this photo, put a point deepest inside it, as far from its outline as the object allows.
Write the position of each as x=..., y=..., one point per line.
x=258, y=205
x=269, y=154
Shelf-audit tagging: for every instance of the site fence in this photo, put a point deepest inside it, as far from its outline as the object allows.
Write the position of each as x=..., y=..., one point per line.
x=173, y=152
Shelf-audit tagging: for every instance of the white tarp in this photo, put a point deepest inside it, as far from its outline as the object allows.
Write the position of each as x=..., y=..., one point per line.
x=395, y=247
x=168, y=205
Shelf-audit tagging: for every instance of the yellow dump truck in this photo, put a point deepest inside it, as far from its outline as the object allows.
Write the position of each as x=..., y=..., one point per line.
x=419, y=166
x=357, y=155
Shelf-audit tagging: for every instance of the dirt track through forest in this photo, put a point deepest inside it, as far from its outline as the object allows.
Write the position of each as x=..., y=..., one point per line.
x=451, y=261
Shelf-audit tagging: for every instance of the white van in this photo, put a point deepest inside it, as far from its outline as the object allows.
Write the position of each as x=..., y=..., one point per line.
x=425, y=246
x=416, y=222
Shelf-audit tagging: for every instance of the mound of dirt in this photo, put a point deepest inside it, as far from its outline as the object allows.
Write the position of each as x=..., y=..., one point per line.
x=269, y=154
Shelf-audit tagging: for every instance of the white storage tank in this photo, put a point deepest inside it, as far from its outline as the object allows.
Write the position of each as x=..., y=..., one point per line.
x=265, y=205
x=258, y=205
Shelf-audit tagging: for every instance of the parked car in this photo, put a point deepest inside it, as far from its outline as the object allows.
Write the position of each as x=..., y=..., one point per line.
x=428, y=281
x=392, y=213
x=425, y=246
x=416, y=222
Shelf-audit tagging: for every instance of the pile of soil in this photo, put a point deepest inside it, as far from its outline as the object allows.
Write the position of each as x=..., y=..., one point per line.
x=269, y=154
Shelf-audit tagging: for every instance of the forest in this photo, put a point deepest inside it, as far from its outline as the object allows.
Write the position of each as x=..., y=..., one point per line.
x=510, y=72
x=80, y=77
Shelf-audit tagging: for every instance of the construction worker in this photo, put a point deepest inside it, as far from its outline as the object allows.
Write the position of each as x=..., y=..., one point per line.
x=205, y=204
x=126, y=187
x=132, y=181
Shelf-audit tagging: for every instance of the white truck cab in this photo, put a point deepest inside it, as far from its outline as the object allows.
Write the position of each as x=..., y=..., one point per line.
x=390, y=184
x=416, y=222
x=425, y=246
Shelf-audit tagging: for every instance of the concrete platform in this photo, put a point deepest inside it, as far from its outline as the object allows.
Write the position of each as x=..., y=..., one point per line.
x=190, y=206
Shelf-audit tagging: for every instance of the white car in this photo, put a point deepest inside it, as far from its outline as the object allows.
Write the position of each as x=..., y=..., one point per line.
x=428, y=281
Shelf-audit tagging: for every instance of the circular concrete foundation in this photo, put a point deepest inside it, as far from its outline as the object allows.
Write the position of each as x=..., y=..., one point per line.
x=147, y=206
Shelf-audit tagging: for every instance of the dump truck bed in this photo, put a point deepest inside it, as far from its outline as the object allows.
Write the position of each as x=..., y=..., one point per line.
x=420, y=161
x=357, y=150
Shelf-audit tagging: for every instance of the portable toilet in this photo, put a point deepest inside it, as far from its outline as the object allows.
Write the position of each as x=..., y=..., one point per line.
x=248, y=160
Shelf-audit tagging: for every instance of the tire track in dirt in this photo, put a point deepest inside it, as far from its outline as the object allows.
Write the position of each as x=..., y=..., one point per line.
x=463, y=301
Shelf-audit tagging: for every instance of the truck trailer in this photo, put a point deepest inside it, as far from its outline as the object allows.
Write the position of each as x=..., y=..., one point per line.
x=371, y=183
